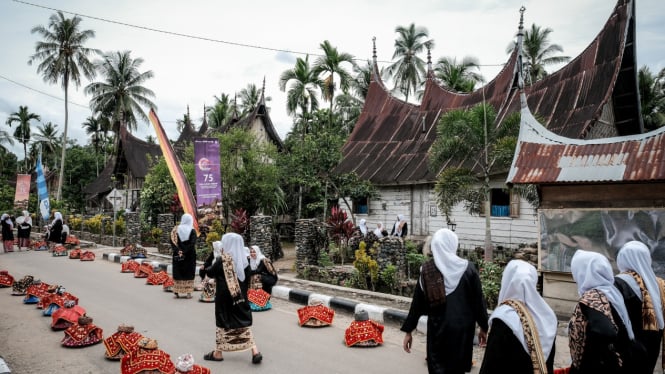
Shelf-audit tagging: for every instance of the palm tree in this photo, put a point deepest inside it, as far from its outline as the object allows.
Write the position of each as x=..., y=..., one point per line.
x=5, y=138
x=150, y=139
x=221, y=113
x=302, y=93
x=64, y=58
x=249, y=98
x=121, y=94
x=22, y=131
x=409, y=69
x=458, y=76
x=472, y=134
x=331, y=65
x=95, y=128
x=539, y=52
x=652, y=98
x=47, y=141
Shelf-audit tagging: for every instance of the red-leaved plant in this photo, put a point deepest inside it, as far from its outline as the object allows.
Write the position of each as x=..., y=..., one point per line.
x=240, y=221
x=340, y=227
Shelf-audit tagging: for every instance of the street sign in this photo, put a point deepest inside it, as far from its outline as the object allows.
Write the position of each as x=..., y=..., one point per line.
x=116, y=198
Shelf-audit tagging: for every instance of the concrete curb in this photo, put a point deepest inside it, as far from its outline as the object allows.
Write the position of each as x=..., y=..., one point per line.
x=377, y=313
x=4, y=368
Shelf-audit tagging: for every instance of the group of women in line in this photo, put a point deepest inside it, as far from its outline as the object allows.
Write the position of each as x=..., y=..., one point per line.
x=616, y=326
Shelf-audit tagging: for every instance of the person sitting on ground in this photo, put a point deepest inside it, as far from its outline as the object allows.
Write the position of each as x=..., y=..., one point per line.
x=262, y=277
x=400, y=228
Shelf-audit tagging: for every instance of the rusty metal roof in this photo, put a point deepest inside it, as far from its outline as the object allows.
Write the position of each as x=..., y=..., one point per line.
x=391, y=139
x=543, y=157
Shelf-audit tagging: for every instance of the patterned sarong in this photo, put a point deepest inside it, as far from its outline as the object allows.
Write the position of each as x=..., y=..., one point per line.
x=530, y=336
x=232, y=340
x=183, y=286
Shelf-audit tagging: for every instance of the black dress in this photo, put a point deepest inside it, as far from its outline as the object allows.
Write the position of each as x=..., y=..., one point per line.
x=55, y=233
x=23, y=230
x=230, y=313
x=184, y=268
x=650, y=340
x=268, y=279
x=604, y=345
x=505, y=354
x=7, y=232
x=451, y=326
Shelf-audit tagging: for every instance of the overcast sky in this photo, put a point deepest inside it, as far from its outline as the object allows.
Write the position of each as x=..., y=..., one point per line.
x=247, y=41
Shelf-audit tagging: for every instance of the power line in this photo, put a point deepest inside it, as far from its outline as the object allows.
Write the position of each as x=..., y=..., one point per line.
x=42, y=92
x=204, y=38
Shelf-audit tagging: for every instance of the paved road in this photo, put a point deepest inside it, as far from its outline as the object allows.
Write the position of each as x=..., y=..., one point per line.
x=180, y=326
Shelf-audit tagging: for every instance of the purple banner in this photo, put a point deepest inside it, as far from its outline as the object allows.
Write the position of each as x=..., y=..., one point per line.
x=208, y=175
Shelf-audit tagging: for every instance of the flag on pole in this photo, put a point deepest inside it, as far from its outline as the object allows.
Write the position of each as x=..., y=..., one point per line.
x=184, y=190
x=42, y=193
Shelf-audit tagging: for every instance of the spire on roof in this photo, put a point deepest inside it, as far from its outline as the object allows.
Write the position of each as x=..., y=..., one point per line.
x=374, y=49
x=519, y=67
x=262, y=100
x=429, y=59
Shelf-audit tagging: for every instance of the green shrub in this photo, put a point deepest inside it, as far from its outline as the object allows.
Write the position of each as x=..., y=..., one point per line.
x=414, y=261
x=368, y=268
x=490, y=279
x=388, y=276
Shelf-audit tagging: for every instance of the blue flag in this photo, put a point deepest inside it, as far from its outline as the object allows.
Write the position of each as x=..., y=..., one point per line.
x=44, y=205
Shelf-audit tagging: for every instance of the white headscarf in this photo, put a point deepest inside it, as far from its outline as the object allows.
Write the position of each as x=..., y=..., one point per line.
x=636, y=256
x=592, y=270
x=216, y=249
x=519, y=282
x=363, y=226
x=25, y=218
x=378, y=229
x=57, y=216
x=234, y=245
x=4, y=217
x=396, y=227
x=254, y=263
x=444, y=249
x=186, y=226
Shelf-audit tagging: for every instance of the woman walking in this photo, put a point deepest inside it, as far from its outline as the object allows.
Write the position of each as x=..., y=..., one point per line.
x=183, y=243
x=233, y=316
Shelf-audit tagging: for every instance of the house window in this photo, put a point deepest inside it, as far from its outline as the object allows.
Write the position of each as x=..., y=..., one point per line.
x=361, y=205
x=503, y=203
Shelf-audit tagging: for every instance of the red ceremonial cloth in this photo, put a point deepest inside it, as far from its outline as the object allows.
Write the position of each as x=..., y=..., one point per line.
x=258, y=297
x=141, y=359
x=362, y=331
x=317, y=312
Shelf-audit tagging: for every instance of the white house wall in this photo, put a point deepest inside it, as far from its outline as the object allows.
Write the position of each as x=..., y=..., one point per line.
x=394, y=200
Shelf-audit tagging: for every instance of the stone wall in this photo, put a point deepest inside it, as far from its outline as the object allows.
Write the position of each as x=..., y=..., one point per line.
x=260, y=228
x=165, y=222
x=306, y=251
x=392, y=251
x=132, y=228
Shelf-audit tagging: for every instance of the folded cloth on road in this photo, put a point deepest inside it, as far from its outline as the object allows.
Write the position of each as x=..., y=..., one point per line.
x=363, y=332
x=82, y=334
x=6, y=280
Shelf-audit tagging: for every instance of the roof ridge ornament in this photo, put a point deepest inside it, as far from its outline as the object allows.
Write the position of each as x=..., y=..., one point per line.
x=429, y=57
x=374, y=49
x=520, y=63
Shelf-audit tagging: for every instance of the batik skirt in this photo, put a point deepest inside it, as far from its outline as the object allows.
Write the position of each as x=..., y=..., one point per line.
x=231, y=340
x=183, y=286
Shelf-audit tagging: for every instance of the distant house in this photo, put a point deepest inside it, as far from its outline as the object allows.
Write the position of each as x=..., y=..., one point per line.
x=593, y=96
x=135, y=156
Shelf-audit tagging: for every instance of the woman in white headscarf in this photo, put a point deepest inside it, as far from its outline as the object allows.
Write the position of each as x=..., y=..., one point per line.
x=7, y=233
x=449, y=293
x=522, y=328
x=378, y=231
x=24, y=227
x=642, y=295
x=601, y=337
x=262, y=277
x=233, y=316
x=400, y=228
x=183, y=245
x=362, y=226
x=54, y=234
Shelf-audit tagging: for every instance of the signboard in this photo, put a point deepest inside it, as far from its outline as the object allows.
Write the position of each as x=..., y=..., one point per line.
x=207, y=169
x=564, y=231
x=22, y=191
x=116, y=198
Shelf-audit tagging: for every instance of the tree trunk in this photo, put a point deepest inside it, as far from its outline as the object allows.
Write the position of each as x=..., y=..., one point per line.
x=61, y=178
x=488, y=225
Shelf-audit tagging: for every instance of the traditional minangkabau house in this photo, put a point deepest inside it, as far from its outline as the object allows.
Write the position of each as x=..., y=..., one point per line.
x=125, y=171
x=593, y=96
x=135, y=156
